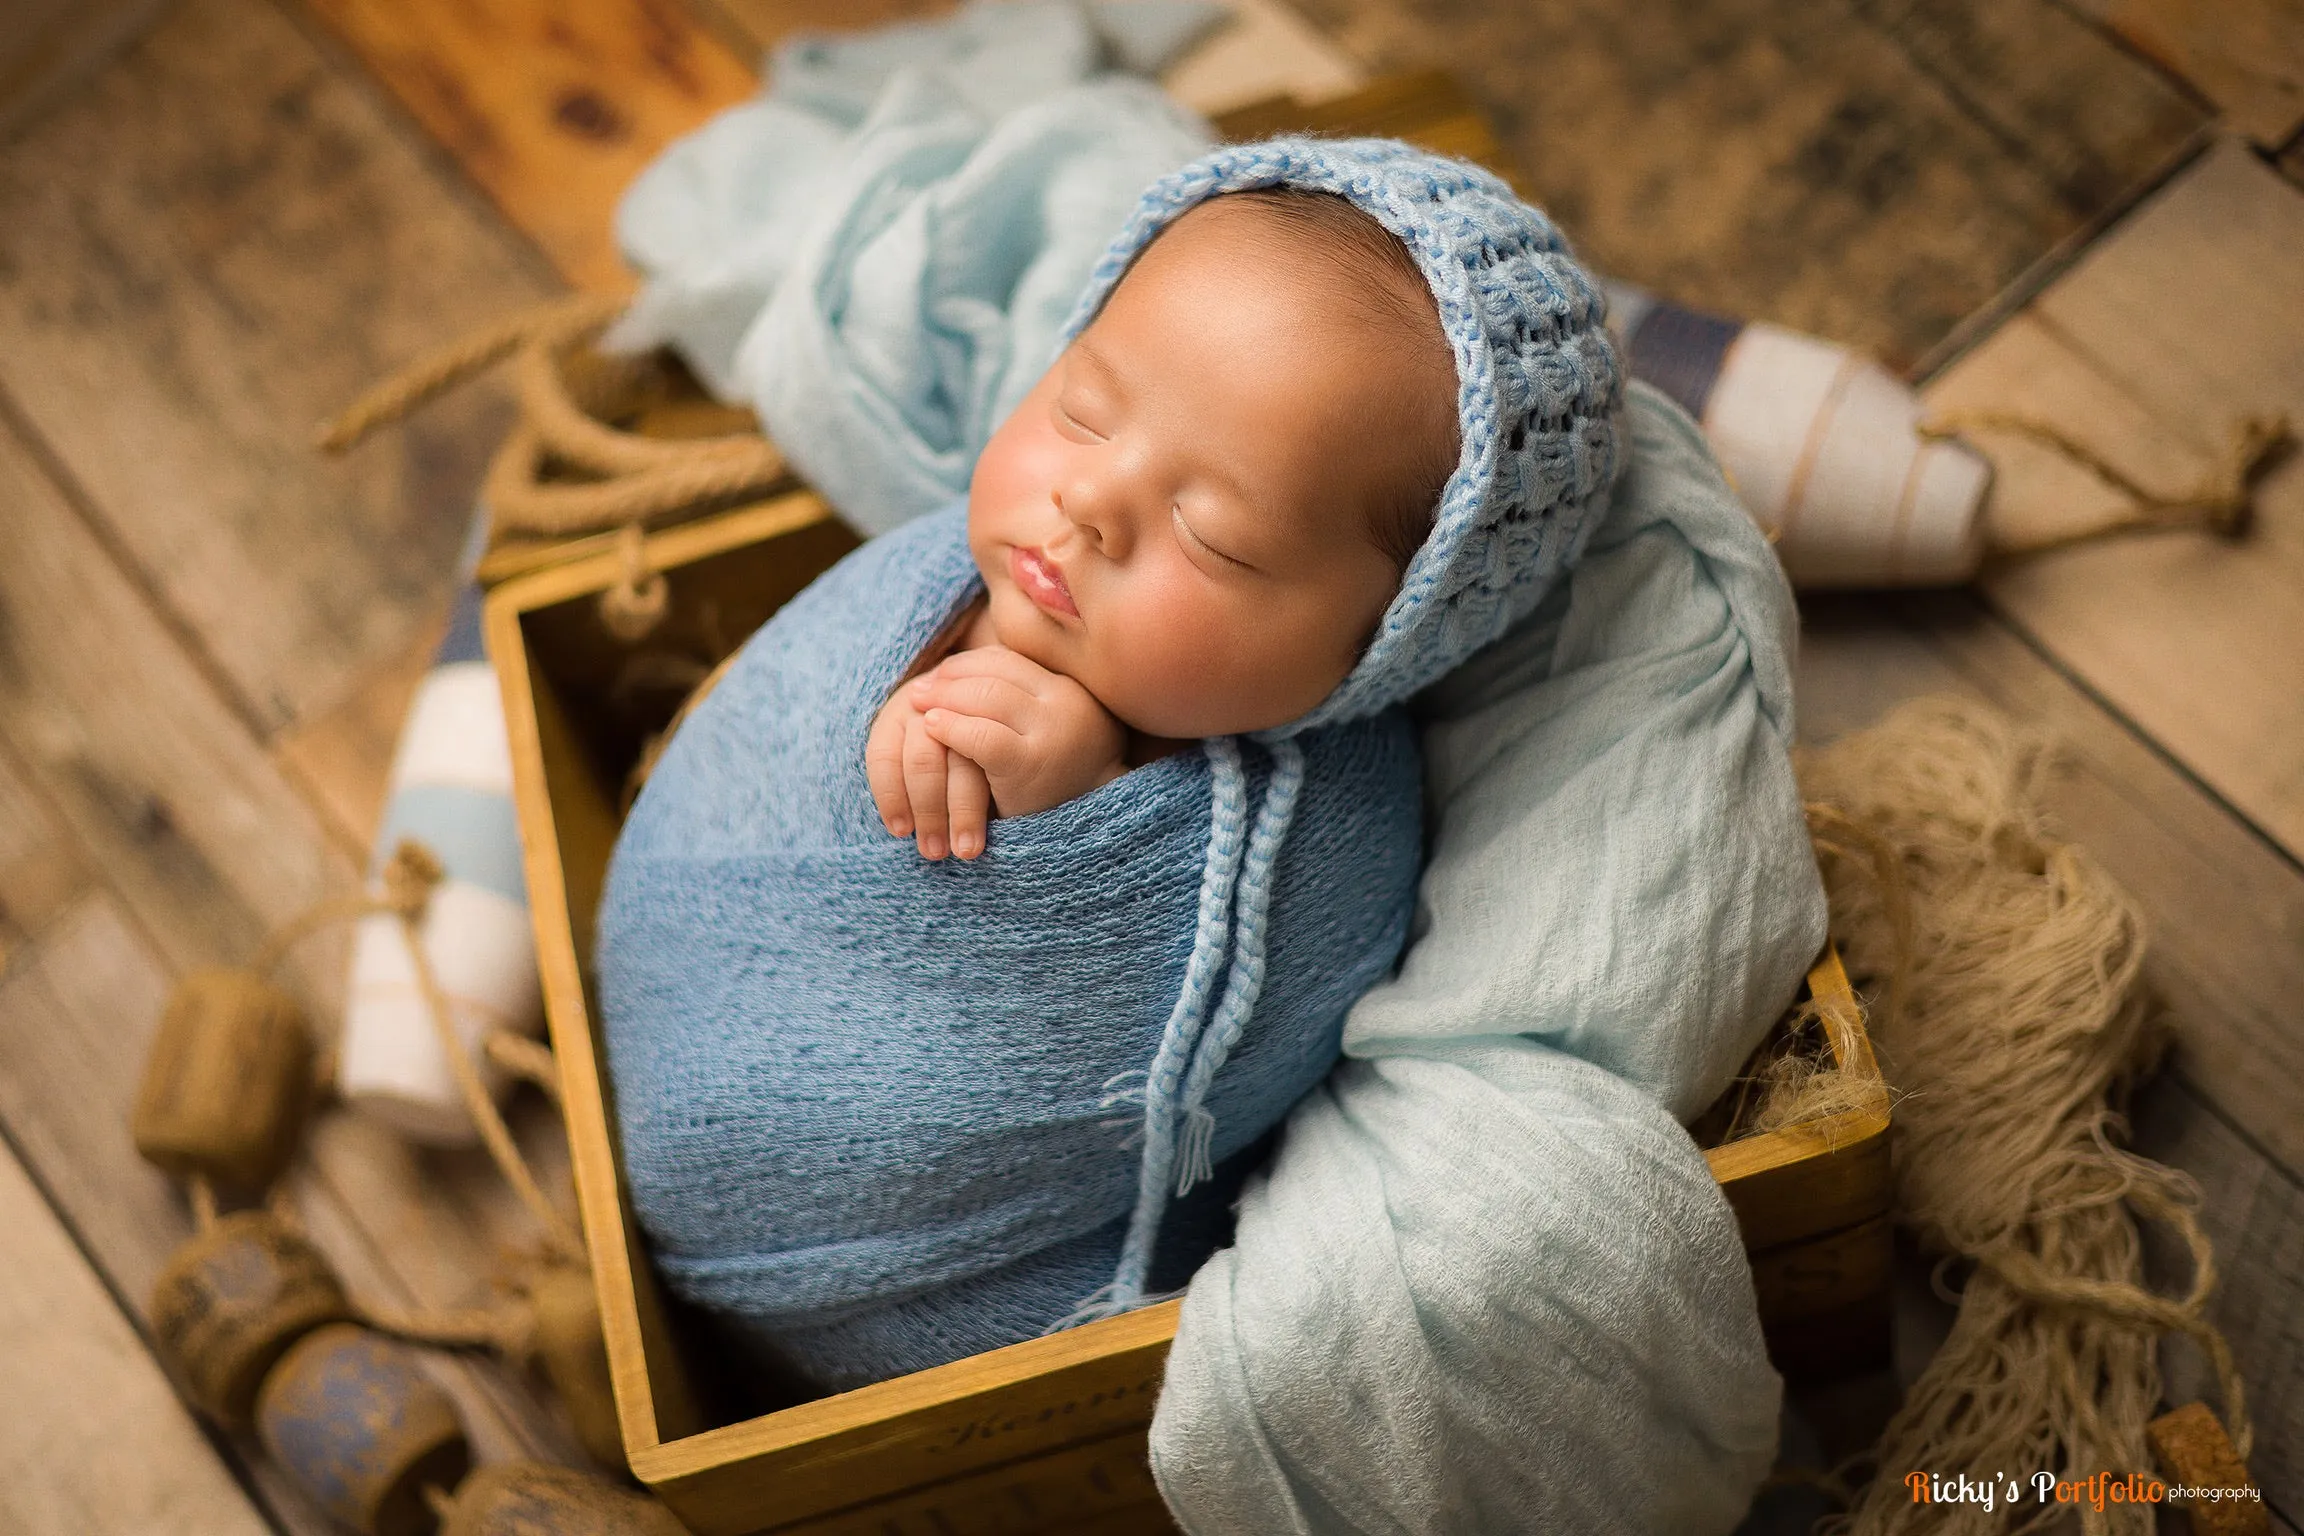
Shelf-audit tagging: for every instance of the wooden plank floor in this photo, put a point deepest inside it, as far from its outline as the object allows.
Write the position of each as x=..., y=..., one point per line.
x=207, y=635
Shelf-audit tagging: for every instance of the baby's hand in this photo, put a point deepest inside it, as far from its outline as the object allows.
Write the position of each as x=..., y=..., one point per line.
x=1032, y=738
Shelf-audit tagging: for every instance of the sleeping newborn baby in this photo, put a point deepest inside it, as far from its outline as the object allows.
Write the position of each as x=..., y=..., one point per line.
x=1333, y=415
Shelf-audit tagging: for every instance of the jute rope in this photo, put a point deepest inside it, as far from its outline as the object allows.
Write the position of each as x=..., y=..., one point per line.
x=2221, y=503
x=2019, y=1026
x=562, y=469
x=409, y=877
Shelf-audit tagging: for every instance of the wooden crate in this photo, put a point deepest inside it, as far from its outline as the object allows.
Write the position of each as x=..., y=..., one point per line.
x=1041, y=1436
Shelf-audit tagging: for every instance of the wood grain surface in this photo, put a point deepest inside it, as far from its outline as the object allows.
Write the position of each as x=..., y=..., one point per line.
x=1874, y=171
x=2245, y=56
x=216, y=242
x=2179, y=324
x=116, y=1452
x=552, y=106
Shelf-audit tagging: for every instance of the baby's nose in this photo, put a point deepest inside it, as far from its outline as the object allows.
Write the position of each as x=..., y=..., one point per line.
x=1090, y=512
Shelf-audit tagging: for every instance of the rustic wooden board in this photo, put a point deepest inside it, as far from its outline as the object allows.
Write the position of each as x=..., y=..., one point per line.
x=765, y=23
x=342, y=758
x=2178, y=324
x=47, y=47
x=2246, y=56
x=215, y=242
x=551, y=107
x=94, y=1441
x=1873, y=173
x=151, y=772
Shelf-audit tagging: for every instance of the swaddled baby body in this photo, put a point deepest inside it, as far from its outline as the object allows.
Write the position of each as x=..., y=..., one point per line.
x=1332, y=417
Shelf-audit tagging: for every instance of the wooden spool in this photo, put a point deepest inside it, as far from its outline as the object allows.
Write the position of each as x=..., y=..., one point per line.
x=231, y=1302
x=226, y=1082
x=2194, y=1452
x=525, y=1498
x=575, y=1358
x=351, y=1416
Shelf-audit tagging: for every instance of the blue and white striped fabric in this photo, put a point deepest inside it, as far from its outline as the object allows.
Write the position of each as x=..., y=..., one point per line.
x=451, y=790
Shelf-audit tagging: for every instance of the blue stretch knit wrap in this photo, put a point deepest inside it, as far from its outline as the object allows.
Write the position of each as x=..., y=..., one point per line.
x=773, y=964
x=868, y=1101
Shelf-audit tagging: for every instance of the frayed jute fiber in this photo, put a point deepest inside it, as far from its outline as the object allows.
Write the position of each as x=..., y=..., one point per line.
x=2011, y=1022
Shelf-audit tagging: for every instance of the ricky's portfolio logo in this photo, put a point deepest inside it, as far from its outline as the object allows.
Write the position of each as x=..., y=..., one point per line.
x=2097, y=1492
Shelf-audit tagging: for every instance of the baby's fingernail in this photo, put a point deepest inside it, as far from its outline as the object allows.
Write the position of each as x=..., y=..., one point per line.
x=932, y=847
x=967, y=847
x=899, y=827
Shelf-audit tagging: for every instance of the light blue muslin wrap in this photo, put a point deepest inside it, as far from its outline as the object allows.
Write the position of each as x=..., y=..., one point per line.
x=1487, y=1283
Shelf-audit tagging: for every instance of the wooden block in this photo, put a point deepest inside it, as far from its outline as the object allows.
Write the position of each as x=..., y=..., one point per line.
x=232, y=1300
x=2175, y=327
x=353, y=1419
x=2246, y=56
x=2194, y=1452
x=551, y=107
x=1872, y=173
x=93, y=1440
x=227, y=1080
x=213, y=243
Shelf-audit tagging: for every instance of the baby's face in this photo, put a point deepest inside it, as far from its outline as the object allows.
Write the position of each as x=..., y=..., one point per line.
x=1176, y=516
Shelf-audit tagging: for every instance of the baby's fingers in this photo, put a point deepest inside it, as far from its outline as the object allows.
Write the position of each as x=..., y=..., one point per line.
x=997, y=748
x=884, y=771
x=970, y=804
x=993, y=697
x=926, y=770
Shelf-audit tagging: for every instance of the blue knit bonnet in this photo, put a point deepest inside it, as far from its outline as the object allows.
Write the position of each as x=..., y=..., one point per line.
x=1538, y=392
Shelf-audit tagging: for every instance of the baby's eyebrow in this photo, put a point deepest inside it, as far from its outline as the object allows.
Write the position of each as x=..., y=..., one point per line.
x=1086, y=351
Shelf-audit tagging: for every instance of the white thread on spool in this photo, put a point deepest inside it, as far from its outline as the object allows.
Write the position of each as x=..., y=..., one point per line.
x=393, y=1066
x=1822, y=445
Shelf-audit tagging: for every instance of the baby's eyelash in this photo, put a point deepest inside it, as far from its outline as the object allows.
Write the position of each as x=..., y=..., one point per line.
x=1058, y=406
x=1176, y=516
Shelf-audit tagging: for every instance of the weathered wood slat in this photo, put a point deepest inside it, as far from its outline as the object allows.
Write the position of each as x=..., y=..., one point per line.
x=765, y=23
x=551, y=107
x=342, y=759
x=2176, y=326
x=1873, y=173
x=215, y=242
x=93, y=1441
x=2246, y=56
x=47, y=47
